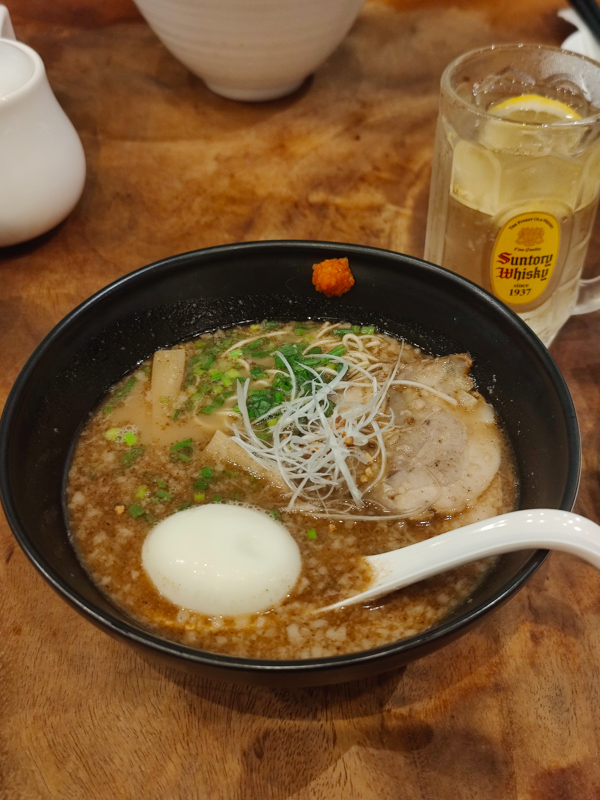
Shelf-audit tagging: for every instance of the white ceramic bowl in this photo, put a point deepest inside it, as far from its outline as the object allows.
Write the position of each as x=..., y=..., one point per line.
x=251, y=49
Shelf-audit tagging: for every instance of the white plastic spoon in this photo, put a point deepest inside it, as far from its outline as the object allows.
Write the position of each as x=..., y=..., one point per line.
x=545, y=528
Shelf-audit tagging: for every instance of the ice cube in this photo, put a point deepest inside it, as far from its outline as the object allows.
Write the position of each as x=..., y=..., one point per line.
x=509, y=82
x=475, y=179
x=589, y=189
x=527, y=179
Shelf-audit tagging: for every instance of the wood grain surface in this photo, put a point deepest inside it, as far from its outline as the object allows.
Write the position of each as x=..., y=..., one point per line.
x=509, y=712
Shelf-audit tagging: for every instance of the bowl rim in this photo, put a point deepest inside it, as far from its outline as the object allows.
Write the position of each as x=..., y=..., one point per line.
x=428, y=638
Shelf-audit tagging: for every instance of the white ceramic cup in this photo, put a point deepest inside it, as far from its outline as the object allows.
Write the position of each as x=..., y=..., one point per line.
x=251, y=49
x=42, y=164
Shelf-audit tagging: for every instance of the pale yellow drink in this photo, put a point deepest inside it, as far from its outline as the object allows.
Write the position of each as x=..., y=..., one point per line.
x=515, y=183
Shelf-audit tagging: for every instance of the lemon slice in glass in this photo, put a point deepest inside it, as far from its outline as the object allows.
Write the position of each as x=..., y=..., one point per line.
x=535, y=109
x=536, y=132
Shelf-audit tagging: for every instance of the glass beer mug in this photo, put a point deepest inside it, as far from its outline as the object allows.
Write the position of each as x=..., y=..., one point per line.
x=516, y=179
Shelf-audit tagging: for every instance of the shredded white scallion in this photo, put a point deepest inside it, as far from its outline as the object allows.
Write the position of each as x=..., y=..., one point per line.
x=318, y=441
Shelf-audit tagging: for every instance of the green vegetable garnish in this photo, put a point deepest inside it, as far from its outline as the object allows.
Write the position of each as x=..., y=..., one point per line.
x=112, y=433
x=132, y=455
x=206, y=472
x=141, y=492
x=181, y=445
x=275, y=513
x=162, y=495
x=182, y=451
x=130, y=438
x=135, y=510
x=120, y=394
x=311, y=533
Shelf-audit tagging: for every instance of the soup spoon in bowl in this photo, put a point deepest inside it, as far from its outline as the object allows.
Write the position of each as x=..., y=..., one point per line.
x=545, y=528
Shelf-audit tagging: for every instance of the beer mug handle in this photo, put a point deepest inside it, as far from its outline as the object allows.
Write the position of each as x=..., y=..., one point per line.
x=6, y=28
x=589, y=296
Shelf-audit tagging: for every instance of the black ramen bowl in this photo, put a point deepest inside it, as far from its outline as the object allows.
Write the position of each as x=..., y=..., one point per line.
x=175, y=299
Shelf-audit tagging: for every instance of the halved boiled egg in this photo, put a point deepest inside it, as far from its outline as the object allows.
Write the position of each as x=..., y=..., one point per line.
x=222, y=560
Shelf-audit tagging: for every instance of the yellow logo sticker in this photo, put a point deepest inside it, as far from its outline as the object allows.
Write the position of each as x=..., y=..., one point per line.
x=524, y=257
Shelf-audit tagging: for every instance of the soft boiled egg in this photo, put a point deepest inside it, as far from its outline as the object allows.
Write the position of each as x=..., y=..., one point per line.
x=222, y=560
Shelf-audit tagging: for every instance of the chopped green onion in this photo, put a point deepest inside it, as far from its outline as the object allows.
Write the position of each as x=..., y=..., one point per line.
x=206, y=472
x=182, y=451
x=131, y=455
x=199, y=497
x=121, y=393
x=181, y=445
x=199, y=343
x=275, y=513
x=112, y=433
x=337, y=351
x=162, y=484
x=162, y=495
x=217, y=499
x=271, y=324
x=235, y=354
x=135, y=510
x=107, y=410
x=183, y=506
x=342, y=331
x=129, y=438
x=311, y=533
x=367, y=329
x=356, y=329
x=141, y=492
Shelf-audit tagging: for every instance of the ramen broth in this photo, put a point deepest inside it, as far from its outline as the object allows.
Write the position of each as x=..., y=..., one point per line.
x=209, y=421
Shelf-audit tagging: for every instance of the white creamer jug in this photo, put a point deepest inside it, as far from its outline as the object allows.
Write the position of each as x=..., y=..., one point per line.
x=42, y=164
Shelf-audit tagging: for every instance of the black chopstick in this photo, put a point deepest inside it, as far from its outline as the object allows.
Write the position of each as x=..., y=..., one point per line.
x=589, y=11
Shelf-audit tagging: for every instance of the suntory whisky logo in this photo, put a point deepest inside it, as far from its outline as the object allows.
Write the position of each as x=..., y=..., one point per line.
x=530, y=237
x=524, y=258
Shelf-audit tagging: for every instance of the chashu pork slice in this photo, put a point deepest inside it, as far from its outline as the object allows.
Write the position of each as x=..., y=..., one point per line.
x=445, y=456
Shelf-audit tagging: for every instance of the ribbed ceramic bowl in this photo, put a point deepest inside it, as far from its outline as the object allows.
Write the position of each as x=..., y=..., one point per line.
x=251, y=49
x=175, y=299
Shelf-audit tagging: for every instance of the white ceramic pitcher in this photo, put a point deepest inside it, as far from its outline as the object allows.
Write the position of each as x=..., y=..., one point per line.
x=42, y=164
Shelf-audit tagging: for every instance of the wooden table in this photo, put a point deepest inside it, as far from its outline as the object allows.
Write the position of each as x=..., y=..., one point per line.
x=512, y=710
